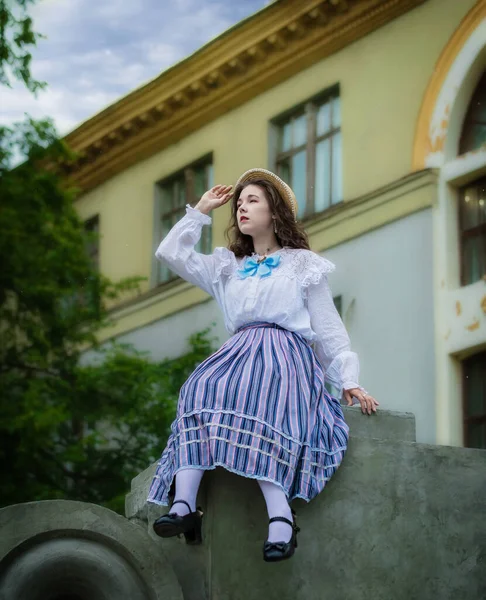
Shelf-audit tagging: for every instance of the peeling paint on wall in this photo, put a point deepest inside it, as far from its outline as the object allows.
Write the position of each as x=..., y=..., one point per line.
x=474, y=325
x=458, y=308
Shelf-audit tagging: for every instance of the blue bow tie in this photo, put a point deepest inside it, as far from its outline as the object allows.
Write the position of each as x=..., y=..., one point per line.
x=263, y=268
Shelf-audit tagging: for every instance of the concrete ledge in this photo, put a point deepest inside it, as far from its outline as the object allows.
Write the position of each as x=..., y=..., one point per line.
x=383, y=425
x=398, y=520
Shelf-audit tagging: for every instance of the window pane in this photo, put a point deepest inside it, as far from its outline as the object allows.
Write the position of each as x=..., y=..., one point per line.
x=478, y=135
x=299, y=177
x=337, y=177
x=477, y=435
x=166, y=198
x=474, y=249
x=285, y=137
x=174, y=194
x=182, y=198
x=324, y=119
x=482, y=203
x=210, y=176
x=474, y=128
x=336, y=112
x=475, y=385
x=322, y=188
x=283, y=170
x=92, y=227
x=163, y=269
x=470, y=208
x=200, y=184
x=300, y=131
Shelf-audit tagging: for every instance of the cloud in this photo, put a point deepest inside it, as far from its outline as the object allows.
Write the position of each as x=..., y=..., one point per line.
x=98, y=51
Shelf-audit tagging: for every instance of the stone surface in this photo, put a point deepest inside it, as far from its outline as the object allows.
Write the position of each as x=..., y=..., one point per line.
x=194, y=583
x=398, y=520
x=61, y=549
x=383, y=425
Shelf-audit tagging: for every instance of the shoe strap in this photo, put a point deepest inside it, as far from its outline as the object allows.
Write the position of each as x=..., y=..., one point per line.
x=182, y=502
x=283, y=519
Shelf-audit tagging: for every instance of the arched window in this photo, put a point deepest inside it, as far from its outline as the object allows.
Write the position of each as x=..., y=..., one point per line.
x=474, y=129
x=472, y=197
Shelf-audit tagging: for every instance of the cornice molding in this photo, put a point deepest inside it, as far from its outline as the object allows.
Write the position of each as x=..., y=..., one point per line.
x=255, y=55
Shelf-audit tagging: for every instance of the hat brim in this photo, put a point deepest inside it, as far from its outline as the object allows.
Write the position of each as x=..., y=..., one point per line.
x=283, y=188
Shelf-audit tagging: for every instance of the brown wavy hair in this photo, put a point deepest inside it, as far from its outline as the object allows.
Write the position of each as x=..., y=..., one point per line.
x=289, y=233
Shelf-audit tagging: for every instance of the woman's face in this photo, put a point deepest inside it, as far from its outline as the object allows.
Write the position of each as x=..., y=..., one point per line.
x=253, y=211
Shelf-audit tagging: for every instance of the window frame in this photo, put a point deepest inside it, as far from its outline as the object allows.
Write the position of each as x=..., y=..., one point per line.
x=472, y=232
x=466, y=419
x=310, y=109
x=188, y=174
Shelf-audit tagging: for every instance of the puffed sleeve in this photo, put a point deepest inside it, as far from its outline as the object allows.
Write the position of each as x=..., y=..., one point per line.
x=332, y=347
x=177, y=251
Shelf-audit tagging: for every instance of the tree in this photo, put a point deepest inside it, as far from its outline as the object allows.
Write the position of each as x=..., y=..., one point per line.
x=16, y=40
x=68, y=430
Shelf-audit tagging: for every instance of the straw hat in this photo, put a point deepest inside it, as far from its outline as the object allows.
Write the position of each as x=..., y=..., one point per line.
x=284, y=189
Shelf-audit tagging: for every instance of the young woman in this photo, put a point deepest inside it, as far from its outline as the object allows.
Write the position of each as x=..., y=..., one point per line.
x=258, y=406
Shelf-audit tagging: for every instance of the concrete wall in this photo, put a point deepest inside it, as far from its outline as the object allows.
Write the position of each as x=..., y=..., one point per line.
x=398, y=520
x=385, y=278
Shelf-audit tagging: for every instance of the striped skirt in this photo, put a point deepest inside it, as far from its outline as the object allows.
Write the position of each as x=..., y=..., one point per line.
x=258, y=408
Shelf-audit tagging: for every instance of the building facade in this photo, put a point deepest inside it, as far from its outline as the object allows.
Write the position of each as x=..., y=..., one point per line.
x=375, y=112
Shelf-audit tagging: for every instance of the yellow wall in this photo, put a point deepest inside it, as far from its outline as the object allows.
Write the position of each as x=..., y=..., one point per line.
x=383, y=78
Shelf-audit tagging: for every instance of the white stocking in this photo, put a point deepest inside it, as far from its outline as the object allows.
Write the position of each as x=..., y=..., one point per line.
x=277, y=506
x=186, y=487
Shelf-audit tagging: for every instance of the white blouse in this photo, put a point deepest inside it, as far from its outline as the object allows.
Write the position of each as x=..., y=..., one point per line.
x=296, y=295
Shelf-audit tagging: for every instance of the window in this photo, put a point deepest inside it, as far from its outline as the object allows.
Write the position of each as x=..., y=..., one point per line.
x=474, y=129
x=90, y=294
x=474, y=376
x=309, y=153
x=472, y=225
x=92, y=227
x=185, y=187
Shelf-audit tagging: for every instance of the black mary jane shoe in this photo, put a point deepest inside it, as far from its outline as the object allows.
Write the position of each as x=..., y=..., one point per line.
x=276, y=551
x=189, y=525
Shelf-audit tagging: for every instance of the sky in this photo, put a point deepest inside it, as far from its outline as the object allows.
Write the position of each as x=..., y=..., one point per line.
x=97, y=51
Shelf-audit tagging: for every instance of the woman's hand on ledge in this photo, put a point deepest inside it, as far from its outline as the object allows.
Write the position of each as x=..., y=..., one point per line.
x=368, y=403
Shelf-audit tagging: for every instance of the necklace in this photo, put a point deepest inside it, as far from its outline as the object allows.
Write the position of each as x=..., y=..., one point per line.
x=264, y=257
